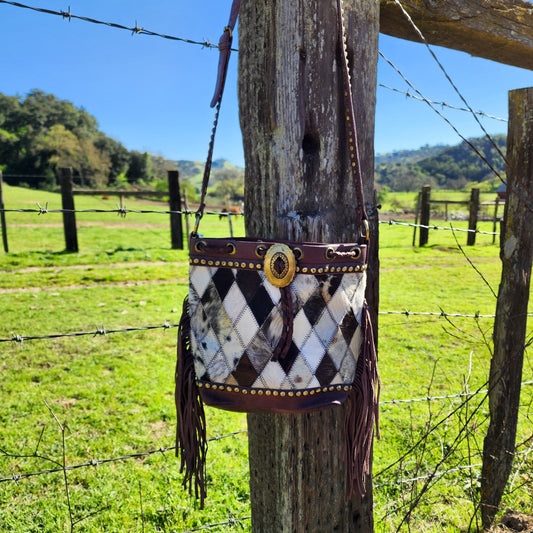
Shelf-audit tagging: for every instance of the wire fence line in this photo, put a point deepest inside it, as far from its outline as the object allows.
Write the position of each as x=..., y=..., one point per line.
x=120, y=210
x=135, y=30
x=103, y=331
x=442, y=104
x=123, y=211
x=97, y=462
x=454, y=128
x=231, y=521
x=446, y=228
x=98, y=332
x=443, y=397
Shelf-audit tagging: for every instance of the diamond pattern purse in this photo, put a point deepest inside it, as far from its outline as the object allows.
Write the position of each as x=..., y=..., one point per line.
x=273, y=326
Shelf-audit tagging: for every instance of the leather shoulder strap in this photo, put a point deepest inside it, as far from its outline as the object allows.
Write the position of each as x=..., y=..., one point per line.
x=224, y=46
x=351, y=130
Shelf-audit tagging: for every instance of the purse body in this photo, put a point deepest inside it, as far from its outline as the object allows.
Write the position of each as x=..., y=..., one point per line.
x=261, y=347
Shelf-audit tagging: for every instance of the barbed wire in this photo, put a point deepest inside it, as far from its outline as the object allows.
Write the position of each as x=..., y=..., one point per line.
x=103, y=331
x=98, y=332
x=135, y=30
x=98, y=462
x=442, y=104
x=231, y=521
x=528, y=199
x=123, y=211
x=434, y=108
x=448, y=77
x=442, y=314
x=444, y=397
x=120, y=210
x=440, y=473
x=450, y=228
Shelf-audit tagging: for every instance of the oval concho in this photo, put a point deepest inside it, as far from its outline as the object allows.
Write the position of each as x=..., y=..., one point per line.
x=280, y=265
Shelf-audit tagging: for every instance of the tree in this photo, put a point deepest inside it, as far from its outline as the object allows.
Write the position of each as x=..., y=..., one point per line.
x=64, y=149
x=229, y=182
x=118, y=155
x=140, y=167
x=60, y=146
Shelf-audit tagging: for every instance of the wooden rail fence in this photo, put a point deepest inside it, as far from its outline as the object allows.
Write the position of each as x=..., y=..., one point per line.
x=423, y=212
x=178, y=207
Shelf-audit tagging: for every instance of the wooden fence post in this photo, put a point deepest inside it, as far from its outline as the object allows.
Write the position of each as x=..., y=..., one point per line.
x=516, y=252
x=69, y=216
x=495, y=219
x=3, y=217
x=298, y=187
x=417, y=213
x=186, y=206
x=472, y=218
x=228, y=209
x=174, y=200
x=425, y=209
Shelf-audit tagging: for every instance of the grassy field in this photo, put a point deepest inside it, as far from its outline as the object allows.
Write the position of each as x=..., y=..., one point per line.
x=72, y=400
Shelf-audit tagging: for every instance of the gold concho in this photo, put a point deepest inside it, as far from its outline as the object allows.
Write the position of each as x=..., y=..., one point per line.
x=280, y=265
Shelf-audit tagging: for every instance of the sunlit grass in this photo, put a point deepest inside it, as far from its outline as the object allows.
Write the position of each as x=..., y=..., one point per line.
x=113, y=393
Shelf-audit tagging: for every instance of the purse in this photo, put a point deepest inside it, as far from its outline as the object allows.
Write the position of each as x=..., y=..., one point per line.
x=271, y=326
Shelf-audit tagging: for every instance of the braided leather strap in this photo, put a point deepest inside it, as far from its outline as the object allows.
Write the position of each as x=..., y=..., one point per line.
x=351, y=130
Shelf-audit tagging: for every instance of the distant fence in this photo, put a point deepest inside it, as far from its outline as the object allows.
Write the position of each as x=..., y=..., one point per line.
x=178, y=208
x=423, y=212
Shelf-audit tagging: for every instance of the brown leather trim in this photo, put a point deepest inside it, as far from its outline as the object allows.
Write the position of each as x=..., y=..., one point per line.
x=248, y=403
x=241, y=253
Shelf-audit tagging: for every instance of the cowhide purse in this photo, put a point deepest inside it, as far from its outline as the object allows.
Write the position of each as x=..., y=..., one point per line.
x=272, y=326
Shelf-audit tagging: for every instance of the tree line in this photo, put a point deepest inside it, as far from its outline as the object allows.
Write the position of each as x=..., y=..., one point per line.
x=41, y=133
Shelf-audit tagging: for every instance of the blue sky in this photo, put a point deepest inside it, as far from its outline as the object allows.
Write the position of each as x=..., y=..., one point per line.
x=153, y=94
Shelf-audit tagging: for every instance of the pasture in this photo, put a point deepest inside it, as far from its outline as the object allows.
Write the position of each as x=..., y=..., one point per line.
x=98, y=409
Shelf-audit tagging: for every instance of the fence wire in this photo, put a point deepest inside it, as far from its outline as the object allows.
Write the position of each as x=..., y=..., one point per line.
x=123, y=211
x=120, y=210
x=446, y=228
x=135, y=30
x=103, y=331
x=98, y=332
x=231, y=521
x=441, y=104
x=97, y=462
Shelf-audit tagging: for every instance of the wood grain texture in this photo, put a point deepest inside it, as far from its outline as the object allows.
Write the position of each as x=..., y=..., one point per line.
x=298, y=186
x=509, y=336
x=500, y=30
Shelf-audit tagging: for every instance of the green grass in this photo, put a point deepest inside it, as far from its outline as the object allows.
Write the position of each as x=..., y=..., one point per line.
x=113, y=394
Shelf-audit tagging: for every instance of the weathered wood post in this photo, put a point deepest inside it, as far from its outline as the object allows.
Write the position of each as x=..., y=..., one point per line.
x=69, y=216
x=186, y=207
x=174, y=201
x=3, y=217
x=495, y=219
x=516, y=252
x=425, y=210
x=417, y=213
x=472, y=218
x=298, y=187
x=228, y=209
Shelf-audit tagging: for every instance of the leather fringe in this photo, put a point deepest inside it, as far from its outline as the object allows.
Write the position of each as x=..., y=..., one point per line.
x=191, y=441
x=362, y=413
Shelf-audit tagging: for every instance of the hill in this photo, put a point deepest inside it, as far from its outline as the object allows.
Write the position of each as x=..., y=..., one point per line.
x=447, y=167
x=409, y=156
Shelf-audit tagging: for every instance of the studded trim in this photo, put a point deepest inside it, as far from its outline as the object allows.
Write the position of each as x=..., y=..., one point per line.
x=272, y=392
x=252, y=400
